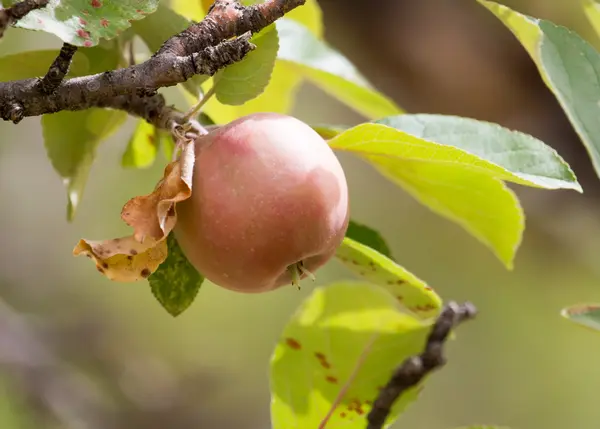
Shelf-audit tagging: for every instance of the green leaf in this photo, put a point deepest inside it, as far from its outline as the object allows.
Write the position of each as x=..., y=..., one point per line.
x=247, y=79
x=569, y=66
x=71, y=138
x=30, y=64
x=369, y=237
x=457, y=184
x=411, y=293
x=524, y=159
x=587, y=315
x=142, y=148
x=344, y=336
x=330, y=70
x=277, y=97
x=176, y=282
x=86, y=22
x=160, y=26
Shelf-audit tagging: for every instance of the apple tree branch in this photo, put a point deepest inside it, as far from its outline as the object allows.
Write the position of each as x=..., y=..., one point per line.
x=220, y=39
x=415, y=368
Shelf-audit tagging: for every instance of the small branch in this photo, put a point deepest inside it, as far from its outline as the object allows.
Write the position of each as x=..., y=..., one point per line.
x=414, y=369
x=19, y=99
x=58, y=70
x=221, y=39
x=12, y=14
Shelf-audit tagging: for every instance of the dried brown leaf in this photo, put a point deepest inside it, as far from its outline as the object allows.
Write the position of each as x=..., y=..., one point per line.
x=124, y=259
x=154, y=215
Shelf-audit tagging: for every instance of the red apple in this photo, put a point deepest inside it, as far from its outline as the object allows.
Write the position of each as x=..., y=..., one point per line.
x=269, y=204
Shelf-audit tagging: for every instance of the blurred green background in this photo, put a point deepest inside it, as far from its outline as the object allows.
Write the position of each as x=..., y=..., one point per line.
x=106, y=355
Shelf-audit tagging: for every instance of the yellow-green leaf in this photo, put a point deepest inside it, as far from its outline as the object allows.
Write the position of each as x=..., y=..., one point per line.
x=142, y=148
x=568, y=65
x=330, y=70
x=411, y=293
x=336, y=352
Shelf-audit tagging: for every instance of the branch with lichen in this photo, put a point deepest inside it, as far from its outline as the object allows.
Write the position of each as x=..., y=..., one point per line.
x=220, y=39
x=416, y=368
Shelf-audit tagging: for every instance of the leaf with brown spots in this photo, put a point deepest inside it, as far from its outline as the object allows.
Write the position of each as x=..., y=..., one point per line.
x=124, y=259
x=410, y=292
x=154, y=215
x=343, y=343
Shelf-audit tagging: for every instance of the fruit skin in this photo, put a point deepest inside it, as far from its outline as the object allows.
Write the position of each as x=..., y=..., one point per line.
x=267, y=193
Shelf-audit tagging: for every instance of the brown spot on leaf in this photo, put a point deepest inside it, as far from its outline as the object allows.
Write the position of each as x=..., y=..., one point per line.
x=293, y=343
x=133, y=252
x=320, y=356
x=145, y=273
x=331, y=379
x=400, y=282
x=104, y=265
x=104, y=22
x=99, y=268
x=343, y=415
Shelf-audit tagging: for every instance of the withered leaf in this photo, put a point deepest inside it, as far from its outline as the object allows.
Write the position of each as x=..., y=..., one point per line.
x=124, y=259
x=154, y=215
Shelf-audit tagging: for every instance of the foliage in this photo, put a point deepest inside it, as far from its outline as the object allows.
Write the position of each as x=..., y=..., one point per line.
x=345, y=339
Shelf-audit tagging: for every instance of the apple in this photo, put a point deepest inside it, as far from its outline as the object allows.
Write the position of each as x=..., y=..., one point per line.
x=269, y=204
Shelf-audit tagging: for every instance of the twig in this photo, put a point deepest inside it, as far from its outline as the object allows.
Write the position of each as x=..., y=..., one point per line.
x=221, y=39
x=195, y=109
x=415, y=368
x=12, y=14
x=58, y=70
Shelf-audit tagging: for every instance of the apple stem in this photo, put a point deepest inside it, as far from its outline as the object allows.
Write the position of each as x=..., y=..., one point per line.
x=303, y=270
x=297, y=270
x=295, y=275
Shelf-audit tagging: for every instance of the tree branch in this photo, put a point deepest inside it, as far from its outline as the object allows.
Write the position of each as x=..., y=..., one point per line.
x=13, y=14
x=219, y=40
x=414, y=369
x=58, y=70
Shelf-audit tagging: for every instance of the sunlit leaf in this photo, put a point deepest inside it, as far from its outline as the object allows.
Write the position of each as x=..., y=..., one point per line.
x=330, y=70
x=142, y=148
x=191, y=9
x=247, y=79
x=86, y=22
x=411, y=293
x=336, y=352
x=176, y=282
x=587, y=315
x=568, y=65
x=456, y=183
x=591, y=8
x=524, y=159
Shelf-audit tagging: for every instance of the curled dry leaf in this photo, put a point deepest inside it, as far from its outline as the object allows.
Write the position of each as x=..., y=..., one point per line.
x=153, y=217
